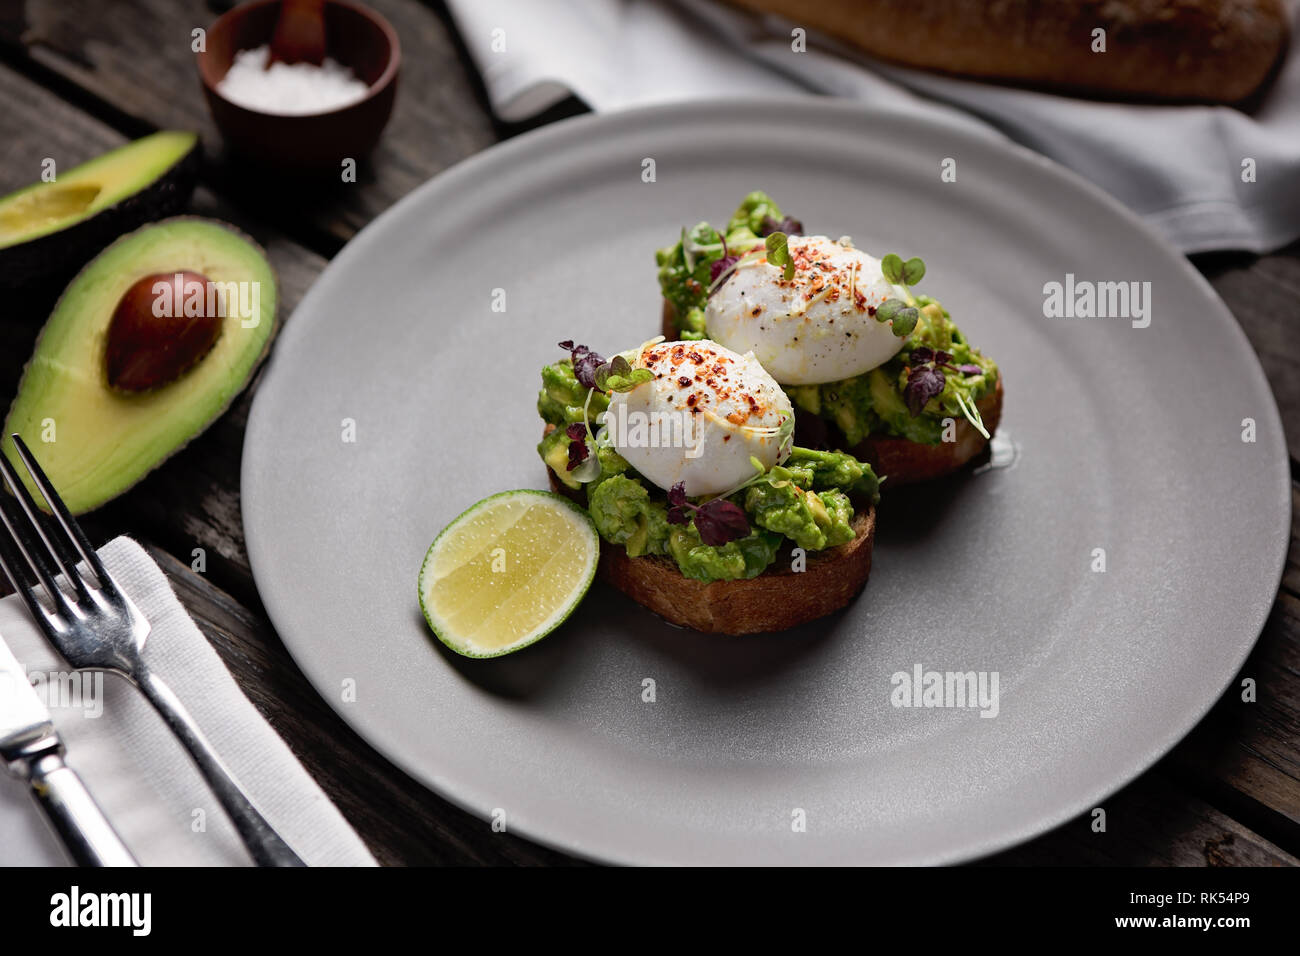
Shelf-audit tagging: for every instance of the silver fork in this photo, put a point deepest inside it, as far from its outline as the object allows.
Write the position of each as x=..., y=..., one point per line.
x=102, y=628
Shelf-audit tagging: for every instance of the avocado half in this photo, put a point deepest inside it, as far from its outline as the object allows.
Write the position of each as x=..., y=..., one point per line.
x=95, y=442
x=51, y=229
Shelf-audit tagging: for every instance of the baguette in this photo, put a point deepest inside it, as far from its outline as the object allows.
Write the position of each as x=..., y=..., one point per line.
x=902, y=461
x=1214, y=51
x=776, y=600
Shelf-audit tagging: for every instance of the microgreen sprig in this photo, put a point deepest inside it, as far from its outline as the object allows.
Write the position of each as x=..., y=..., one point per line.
x=595, y=374
x=898, y=272
x=902, y=315
x=925, y=380
x=717, y=520
x=618, y=375
x=778, y=253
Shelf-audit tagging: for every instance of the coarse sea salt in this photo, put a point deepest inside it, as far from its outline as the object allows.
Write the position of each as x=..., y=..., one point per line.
x=289, y=89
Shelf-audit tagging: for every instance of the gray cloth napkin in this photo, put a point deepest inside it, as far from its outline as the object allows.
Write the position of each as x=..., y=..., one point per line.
x=1180, y=167
x=140, y=775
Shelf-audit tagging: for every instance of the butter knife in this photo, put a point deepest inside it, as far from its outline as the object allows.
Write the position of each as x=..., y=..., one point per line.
x=33, y=751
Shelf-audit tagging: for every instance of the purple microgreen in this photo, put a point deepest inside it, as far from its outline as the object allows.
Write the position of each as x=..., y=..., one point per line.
x=921, y=354
x=924, y=382
x=789, y=225
x=585, y=362
x=677, y=495
x=718, y=521
x=722, y=265
x=970, y=369
x=778, y=253
x=578, y=450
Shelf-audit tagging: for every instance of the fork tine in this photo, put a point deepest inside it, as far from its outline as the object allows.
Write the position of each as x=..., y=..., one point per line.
x=24, y=545
x=63, y=516
x=10, y=562
x=67, y=567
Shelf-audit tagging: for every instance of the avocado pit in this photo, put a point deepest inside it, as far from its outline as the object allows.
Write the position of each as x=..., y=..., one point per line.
x=162, y=327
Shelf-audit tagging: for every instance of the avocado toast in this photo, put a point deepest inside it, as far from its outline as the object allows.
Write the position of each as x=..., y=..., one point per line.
x=709, y=515
x=895, y=382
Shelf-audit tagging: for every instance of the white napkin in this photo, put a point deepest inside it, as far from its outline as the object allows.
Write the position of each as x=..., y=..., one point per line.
x=140, y=775
x=1177, y=166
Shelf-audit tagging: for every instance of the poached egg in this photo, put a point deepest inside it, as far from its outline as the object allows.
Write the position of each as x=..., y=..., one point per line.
x=820, y=326
x=705, y=412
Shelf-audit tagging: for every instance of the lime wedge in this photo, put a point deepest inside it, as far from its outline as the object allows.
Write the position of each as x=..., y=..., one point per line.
x=507, y=572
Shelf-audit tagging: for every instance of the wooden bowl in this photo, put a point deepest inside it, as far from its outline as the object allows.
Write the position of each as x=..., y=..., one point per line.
x=357, y=37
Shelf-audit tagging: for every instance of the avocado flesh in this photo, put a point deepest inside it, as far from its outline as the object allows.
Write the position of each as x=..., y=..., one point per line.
x=105, y=441
x=53, y=227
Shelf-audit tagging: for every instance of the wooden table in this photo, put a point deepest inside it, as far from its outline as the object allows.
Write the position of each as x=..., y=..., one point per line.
x=78, y=77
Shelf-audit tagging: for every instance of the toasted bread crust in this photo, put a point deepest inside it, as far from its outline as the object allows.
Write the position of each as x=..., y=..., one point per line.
x=776, y=600
x=902, y=461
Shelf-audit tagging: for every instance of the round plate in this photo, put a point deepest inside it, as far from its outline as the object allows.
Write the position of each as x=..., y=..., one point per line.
x=398, y=395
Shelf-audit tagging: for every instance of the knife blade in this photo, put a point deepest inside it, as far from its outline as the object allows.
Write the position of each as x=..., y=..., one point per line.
x=23, y=717
x=33, y=751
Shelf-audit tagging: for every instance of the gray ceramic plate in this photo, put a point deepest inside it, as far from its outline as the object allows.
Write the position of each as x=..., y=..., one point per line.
x=1126, y=439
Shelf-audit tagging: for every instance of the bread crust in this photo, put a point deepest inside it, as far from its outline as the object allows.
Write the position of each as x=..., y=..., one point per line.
x=902, y=461
x=778, y=599
x=1215, y=51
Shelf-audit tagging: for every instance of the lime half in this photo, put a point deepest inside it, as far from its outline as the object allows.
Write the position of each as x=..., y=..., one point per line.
x=507, y=572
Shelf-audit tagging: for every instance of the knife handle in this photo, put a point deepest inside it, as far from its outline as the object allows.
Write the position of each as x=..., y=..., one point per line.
x=73, y=812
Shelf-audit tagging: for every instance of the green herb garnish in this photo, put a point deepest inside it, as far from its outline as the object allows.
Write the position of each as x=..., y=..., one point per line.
x=778, y=253
x=903, y=315
x=618, y=375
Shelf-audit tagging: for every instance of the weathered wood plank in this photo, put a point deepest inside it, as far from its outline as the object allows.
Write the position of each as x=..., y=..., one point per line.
x=1264, y=295
x=135, y=56
x=1152, y=822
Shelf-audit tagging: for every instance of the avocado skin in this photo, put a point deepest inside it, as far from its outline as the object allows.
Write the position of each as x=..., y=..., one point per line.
x=147, y=468
x=58, y=255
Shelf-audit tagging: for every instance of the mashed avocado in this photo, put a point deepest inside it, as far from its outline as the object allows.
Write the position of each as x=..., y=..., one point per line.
x=813, y=520
x=561, y=399
x=684, y=268
x=874, y=401
x=624, y=514
x=805, y=501
x=743, y=558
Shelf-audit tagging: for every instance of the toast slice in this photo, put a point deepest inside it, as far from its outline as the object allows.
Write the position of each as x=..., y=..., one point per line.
x=776, y=600
x=902, y=461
